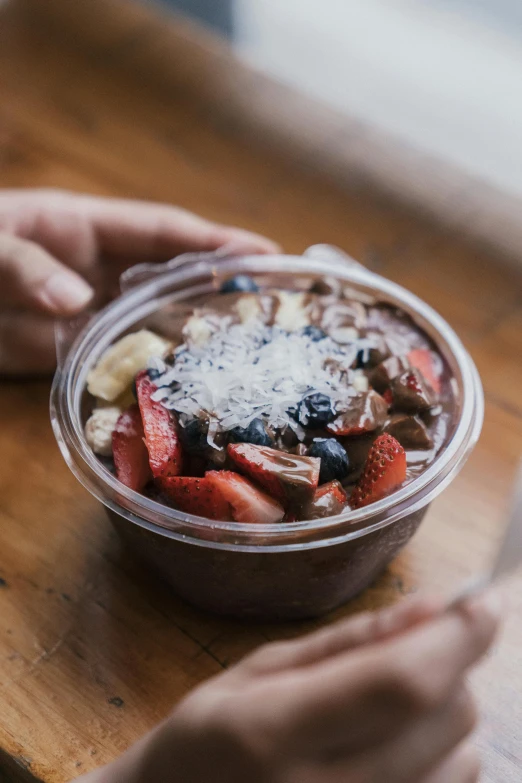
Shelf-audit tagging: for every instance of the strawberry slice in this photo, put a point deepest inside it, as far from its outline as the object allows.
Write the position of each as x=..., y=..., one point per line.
x=161, y=431
x=247, y=502
x=425, y=361
x=286, y=477
x=333, y=488
x=328, y=500
x=384, y=471
x=131, y=457
x=198, y=496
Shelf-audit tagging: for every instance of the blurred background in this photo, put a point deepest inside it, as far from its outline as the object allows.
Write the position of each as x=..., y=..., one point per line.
x=442, y=76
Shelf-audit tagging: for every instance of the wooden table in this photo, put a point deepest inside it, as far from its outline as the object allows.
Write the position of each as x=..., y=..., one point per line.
x=93, y=650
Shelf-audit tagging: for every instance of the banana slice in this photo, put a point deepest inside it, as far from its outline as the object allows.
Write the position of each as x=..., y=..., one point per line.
x=99, y=428
x=119, y=364
x=248, y=308
x=197, y=330
x=292, y=312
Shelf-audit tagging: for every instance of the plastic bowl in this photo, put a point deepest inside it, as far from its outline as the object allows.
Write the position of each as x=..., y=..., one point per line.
x=291, y=570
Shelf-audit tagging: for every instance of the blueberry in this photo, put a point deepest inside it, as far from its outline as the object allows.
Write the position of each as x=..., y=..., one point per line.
x=314, y=332
x=359, y=359
x=239, y=283
x=194, y=436
x=334, y=459
x=254, y=433
x=316, y=410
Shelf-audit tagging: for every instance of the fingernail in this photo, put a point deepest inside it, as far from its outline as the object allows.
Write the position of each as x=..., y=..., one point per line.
x=65, y=293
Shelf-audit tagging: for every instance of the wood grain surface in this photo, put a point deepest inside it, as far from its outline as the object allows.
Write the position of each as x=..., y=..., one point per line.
x=93, y=650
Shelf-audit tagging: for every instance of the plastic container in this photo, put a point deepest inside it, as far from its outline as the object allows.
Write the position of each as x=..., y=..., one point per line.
x=293, y=570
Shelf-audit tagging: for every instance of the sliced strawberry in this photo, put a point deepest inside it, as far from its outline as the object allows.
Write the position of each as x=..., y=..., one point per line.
x=161, y=431
x=328, y=500
x=333, y=488
x=367, y=412
x=198, y=496
x=286, y=477
x=384, y=471
x=426, y=362
x=131, y=457
x=247, y=502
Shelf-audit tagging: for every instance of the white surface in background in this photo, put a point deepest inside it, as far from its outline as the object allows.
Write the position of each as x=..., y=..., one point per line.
x=451, y=89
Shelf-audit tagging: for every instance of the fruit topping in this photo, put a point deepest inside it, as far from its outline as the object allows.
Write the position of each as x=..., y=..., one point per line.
x=371, y=357
x=199, y=496
x=315, y=333
x=410, y=431
x=315, y=410
x=119, y=364
x=291, y=314
x=161, y=431
x=194, y=436
x=328, y=500
x=247, y=503
x=287, y=477
x=239, y=283
x=384, y=471
x=255, y=433
x=131, y=458
x=382, y=376
x=411, y=393
x=334, y=459
x=366, y=413
x=429, y=365
x=197, y=331
x=99, y=428
x=259, y=372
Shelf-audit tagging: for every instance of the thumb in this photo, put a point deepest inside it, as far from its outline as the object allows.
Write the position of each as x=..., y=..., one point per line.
x=30, y=277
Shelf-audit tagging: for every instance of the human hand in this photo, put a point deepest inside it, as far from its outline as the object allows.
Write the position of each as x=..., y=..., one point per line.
x=58, y=250
x=381, y=698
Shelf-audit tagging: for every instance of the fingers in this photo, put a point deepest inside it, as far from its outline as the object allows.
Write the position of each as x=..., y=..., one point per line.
x=146, y=231
x=26, y=343
x=463, y=766
x=30, y=277
x=428, y=742
x=425, y=753
x=364, y=629
x=371, y=694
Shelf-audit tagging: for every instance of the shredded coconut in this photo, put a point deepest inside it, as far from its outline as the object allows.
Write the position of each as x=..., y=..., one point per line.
x=251, y=370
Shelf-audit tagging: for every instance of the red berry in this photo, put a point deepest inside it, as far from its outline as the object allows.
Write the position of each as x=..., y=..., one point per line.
x=384, y=471
x=197, y=496
x=426, y=362
x=286, y=477
x=131, y=458
x=247, y=503
x=161, y=431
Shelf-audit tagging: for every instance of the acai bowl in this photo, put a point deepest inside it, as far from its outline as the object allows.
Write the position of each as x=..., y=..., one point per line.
x=273, y=429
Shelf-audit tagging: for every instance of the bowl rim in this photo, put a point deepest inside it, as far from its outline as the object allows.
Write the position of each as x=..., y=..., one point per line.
x=149, y=295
